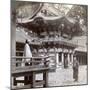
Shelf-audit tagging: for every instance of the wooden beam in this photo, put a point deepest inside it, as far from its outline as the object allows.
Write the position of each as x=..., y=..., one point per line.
x=21, y=87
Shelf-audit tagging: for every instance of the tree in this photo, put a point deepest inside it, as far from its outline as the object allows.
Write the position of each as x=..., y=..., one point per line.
x=24, y=10
x=79, y=12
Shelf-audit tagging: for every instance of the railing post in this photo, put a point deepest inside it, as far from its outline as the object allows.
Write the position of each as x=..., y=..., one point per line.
x=33, y=79
x=45, y=78
x=14, y=81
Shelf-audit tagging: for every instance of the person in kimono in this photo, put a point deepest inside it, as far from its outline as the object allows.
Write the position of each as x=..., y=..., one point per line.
x=27, y=53
x=75, y=69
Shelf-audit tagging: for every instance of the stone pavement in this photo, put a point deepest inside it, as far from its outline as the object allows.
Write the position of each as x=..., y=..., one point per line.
x=64, y=77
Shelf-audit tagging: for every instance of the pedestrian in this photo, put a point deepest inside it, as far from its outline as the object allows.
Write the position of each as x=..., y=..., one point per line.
x=75, y=68
x=27, y=53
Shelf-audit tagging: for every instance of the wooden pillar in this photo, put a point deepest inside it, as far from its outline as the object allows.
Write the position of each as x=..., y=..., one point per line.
x=45, y=78
x=13, y=42
x=14, y=81
x=26, y=80
x=55, y=56
x=68, y=59
x=57, y=59
x=33, y=80
x=13, y=30
x=72, y=58
x=62, y=58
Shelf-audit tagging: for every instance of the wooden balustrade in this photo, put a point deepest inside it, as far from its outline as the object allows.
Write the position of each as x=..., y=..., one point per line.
x=29, y=71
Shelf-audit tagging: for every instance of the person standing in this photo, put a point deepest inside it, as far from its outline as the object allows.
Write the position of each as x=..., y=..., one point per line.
x=27, y=53
x=75, y=68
